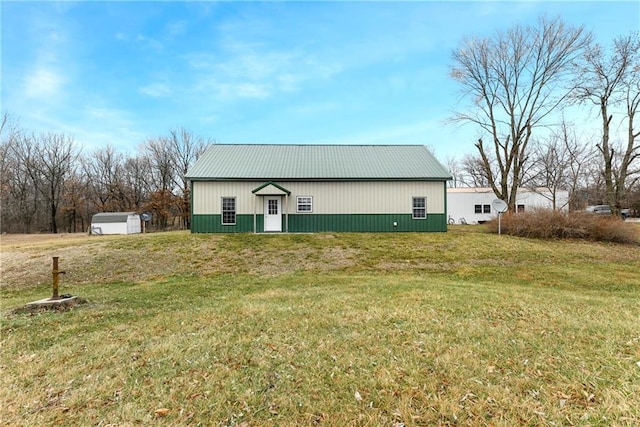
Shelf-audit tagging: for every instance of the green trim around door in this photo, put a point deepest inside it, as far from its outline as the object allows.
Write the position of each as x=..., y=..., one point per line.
x=309, y=223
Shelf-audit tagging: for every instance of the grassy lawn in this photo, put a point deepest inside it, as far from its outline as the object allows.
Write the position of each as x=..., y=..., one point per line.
x=457, y=328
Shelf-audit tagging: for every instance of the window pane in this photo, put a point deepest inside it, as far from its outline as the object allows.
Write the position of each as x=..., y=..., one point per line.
x=228, y=210
x=478, y=209
x=419, y=208
x=304, y=204
x=228, y=217
x=487, y=209
x=273, y=207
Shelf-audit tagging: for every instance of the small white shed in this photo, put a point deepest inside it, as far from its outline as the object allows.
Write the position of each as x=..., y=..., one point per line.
x=472, y=205
x=115, y=223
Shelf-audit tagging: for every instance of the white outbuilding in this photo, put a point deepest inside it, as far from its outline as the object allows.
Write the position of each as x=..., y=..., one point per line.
x=115, y=223
x=473, y=205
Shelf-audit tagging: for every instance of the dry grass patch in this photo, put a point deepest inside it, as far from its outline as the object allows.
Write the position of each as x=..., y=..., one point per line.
x=474, y=329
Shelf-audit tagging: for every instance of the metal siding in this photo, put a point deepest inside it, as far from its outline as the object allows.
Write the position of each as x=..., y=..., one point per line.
x=327, y=223
x=462, y=206
x=213, y=224
x=543, y=199
x=207, y=196
x=461, y=202
x=381, y=197
x=109, y=227
x=366, y=223
x=133, y=224
x=384, y=197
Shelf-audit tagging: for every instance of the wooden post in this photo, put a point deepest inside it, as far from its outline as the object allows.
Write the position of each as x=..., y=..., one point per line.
x=56, y=278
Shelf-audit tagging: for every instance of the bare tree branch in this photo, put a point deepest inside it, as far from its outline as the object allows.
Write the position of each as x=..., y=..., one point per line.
x=514, y=81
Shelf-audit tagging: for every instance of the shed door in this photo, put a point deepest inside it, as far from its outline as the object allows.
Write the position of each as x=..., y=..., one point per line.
x=272, y=213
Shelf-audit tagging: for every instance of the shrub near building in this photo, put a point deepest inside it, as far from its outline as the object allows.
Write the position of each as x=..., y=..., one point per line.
x=552, y=224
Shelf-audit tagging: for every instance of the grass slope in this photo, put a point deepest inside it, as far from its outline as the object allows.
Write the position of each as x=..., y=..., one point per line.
x=462, y=328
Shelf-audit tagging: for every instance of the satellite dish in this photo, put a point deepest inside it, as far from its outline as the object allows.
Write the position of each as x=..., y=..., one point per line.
x=145, y=217
x=499, y=205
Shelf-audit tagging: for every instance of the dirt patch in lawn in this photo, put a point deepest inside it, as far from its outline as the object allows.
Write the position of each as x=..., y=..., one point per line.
x=26, y=260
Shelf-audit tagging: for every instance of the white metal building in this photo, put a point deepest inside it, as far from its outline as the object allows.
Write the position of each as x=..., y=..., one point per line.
x=115, y=223
x=472, y=205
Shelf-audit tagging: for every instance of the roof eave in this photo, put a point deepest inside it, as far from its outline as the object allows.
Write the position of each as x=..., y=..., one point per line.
x=323, y=179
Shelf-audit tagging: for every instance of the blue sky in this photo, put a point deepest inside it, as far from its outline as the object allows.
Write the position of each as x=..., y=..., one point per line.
x=258, y=72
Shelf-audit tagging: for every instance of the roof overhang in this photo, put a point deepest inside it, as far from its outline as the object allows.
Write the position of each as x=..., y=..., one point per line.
x=314, y=179
x=271, y=189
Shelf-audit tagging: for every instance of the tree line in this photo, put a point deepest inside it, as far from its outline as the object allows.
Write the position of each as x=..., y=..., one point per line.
x=519, y=83
x=48, y=184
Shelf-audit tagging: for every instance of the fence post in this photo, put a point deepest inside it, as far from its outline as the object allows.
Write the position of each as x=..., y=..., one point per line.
x=56, y=279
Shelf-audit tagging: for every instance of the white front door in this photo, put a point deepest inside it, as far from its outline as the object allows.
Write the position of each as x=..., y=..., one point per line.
x=272, y=213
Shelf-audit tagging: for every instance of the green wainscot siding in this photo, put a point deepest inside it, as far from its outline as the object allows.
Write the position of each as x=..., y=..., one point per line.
x=365, y=223
x=213, y=224
x=309, y=223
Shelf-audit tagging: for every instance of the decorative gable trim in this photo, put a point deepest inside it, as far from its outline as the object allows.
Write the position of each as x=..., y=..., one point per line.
x=271, y=189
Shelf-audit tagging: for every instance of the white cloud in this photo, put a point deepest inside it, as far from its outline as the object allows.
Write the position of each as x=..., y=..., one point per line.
x=233, y=90
x=200, y=60
x=43, y=82
x=98, y=125
x=156, y=90
x=249, y=90
x=177, y=28
x=247, y=73
x=150, y=43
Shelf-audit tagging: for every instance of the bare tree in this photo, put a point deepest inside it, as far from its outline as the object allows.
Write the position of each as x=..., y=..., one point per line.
x=54, y=162
x=7, y=126
x=9, y=135
x=136, y=174
x=580, y=163
x=169, y=159
x=162, y=179
x=515, y=81
x=608, y=81
x=5, y=178
x=42, y=184
x=187, y=148
x=20, y=184
x=558, y=163
x=104, y=170
x=475, y=171
x=455, y=169
x=74, y=202
x=549, y=169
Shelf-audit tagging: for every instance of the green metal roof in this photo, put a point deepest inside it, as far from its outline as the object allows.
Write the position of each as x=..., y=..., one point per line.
x=317, y=162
